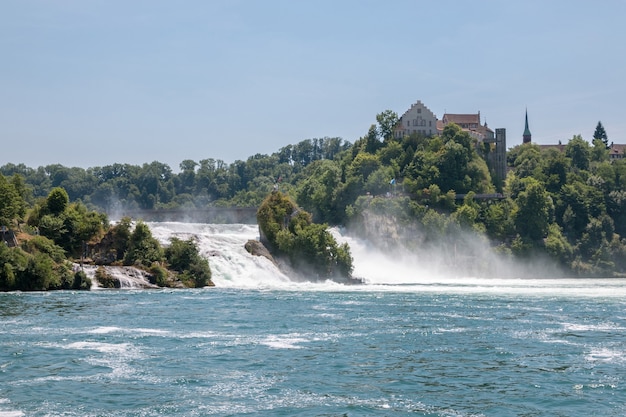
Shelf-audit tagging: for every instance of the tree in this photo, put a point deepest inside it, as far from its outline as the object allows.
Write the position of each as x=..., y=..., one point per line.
x=57, y=201
x=600, y=134
x=11, y=203
x=599, y=151
x=317, y=191
x=527, y=159
x=363, y=165
x=143, y=248
x=452, y=166
x=554, y=167
x=387, y=121
x=183, y=256
x=578, y=149
x=187, y=176
x=534, y=210
x=372, y=142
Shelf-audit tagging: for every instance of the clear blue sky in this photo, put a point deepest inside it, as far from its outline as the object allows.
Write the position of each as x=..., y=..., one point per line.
x=91, y=83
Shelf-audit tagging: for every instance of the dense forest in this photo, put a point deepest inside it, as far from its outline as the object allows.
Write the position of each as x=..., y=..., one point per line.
x=568, y=205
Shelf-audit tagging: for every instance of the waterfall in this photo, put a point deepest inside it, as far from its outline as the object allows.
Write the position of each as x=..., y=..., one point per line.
x=382, y=270
x=128, y=277
x=223, y=245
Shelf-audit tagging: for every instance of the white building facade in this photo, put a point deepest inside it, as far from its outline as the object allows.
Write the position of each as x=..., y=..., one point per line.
x=416, y=120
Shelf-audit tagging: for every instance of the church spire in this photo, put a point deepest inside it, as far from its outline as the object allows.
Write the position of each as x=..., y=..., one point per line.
x=526, y=137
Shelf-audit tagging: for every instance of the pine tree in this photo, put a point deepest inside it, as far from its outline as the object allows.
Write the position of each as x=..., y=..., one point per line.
x=600, y=133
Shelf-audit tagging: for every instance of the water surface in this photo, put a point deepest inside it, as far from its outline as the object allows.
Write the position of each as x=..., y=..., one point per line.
x=311, y=353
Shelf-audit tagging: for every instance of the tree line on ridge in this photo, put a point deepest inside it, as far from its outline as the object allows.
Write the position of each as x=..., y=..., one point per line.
x=569, y=205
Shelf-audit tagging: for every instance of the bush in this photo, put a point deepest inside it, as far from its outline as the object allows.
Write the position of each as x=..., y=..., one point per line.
x=57, y=201
x=105, y=279
x=81, y=281
x=183, y=256
x=44, y=245
x=143, y=249
x=158, y=275
x=39, y=274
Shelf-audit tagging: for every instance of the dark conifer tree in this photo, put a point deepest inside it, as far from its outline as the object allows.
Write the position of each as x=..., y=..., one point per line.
x=600, y=133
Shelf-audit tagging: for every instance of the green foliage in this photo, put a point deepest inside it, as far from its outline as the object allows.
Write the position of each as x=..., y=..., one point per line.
x=37, y=266
x=122, y=232
x=310, y=247
x=522, y=247
x=527, y=158
x=387, y=121
x=81, y=281
x=579, y=151
x=498, y=219
x=330, y=178
x=534, y=210
x=143, y=249
x=14, y=262
x=599, y=151
x=317, y=191
x=557, y=245
x=105, y=279
x=40, y=274
x=273, y=215
x=183, y=256
x=158, y=275
x=363, y=166
x=41, y=244
x=11, y=202
x=600, y=134
x=52, y=227
x=71, y=228
x=57, y=201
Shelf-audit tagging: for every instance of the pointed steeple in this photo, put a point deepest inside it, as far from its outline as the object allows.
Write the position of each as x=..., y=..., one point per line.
x=526, y=137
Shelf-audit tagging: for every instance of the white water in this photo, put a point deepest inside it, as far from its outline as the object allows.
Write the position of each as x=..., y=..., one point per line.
x=233, y=267
x=129, y=278
x=223, y=245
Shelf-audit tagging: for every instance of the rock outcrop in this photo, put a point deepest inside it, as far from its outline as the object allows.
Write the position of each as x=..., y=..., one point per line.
x=256, y=248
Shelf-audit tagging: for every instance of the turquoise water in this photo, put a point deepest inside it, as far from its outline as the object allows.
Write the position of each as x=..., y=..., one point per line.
x=475, y=348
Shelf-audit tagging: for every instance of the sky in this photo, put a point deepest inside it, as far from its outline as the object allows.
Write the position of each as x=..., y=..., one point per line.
x=98, y=82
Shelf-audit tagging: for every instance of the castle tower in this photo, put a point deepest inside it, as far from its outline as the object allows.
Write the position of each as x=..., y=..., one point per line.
x=526, y=137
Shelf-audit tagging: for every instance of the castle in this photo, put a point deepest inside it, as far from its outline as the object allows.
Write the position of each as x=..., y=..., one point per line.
x=419, y=119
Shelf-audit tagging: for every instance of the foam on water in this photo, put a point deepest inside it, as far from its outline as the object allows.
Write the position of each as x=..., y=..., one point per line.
x=11, y=413
x=284, y=342
x=105, y=330
x=4, y=412
x=603, y=354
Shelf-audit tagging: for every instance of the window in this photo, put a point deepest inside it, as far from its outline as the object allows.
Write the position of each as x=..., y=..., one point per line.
x=430, y=123
x=419, y=110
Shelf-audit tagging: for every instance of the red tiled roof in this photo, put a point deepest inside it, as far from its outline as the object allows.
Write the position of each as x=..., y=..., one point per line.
x=618, y=148
x=461, y=118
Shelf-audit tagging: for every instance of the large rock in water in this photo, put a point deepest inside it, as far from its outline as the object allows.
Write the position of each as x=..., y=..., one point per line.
x=256, y=248
x=290, y=234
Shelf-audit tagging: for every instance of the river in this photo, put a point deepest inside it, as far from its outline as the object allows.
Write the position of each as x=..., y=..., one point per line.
x=408, y=342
